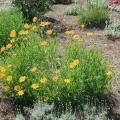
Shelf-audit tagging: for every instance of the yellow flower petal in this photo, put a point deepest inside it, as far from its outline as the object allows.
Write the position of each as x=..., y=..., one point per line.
x=21, y=93
x=22, y=79
x=35, y=86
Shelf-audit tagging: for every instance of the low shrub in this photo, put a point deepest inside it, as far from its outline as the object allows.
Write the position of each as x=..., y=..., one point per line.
x=45, y=111
x=31, y=8
x=94, y=16
x=40, y=72
x=9, y=20
x=72, y=10
x=113, y=30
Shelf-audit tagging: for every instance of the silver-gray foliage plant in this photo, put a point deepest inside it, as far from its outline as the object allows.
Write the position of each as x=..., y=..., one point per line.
x=44, y=111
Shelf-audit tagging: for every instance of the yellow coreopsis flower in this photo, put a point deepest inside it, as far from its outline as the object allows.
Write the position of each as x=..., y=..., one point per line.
x=43, y=43
x=43, y=80
x=21, y=93
x=35, y=19
x=2, y=75
x=109, y=73
x=12, y=40
x=90, y=34
x=56, y=71
x=2, y=69
x=76, y=37
x=9, y=45
x=74, y=63
x=69, y=32
x=16, y=88
x=35, y=86
x=6, y=88
x=13, y=33
x=26, y=26
x=47, y=23
x=55, y=78
x=42, y=24
x=22, y=79
x=2, y=49
x=34, y=69
x=66, y=81
x=34, y=28
x=9, y=78
x=49, y=32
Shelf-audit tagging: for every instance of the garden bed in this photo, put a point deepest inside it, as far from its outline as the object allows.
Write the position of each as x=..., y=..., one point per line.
x=68, y=35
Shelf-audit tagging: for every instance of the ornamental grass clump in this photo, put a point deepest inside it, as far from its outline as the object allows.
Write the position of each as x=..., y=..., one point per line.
x=94, y=16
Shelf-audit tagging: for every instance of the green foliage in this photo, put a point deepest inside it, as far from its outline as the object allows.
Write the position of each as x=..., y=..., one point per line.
x=72, y=10
x=31, y=8
x=9, y=20
x=113, y=30
x=80, y=72
x=30, y=53
x=94, y=16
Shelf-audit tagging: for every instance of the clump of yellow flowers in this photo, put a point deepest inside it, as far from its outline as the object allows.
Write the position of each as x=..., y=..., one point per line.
x=74, y=63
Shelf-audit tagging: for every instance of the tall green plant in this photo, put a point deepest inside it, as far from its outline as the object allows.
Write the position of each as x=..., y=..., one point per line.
x=94, y=16
x=9, y=20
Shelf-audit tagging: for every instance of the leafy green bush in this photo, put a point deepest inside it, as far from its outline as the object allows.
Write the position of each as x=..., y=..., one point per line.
x=113, y=30
x=40, y=72
x=9, y=20
x=31, y=8
x=94, y=16
x=72, y=10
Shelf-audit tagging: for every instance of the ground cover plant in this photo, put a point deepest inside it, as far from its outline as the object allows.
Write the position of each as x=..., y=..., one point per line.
x=45, y=111
x=9, y=20
x=112, y=30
